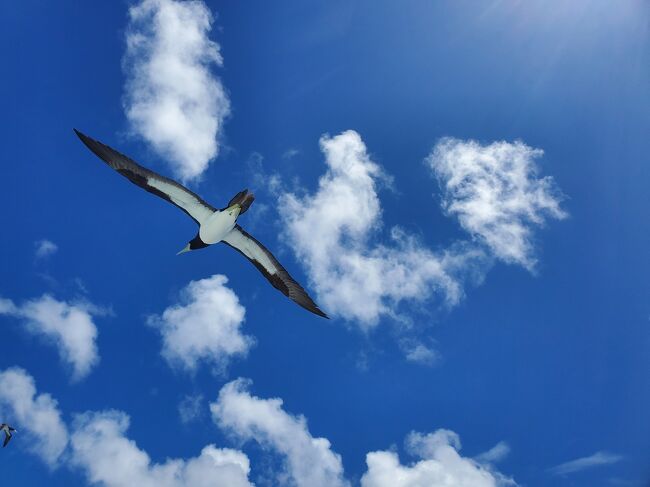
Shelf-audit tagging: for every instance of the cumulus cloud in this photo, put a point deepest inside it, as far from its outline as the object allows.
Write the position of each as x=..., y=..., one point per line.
x=440, y=464
x=69, y=326
x=172, y=98
x=597, y=459
x=44, y=248
x=204, y=327
x=109, y=458
x=98, y=446
x=309, y=461
x=331, y=230
x=335, y=232
x=36, y=416
x=496, y=194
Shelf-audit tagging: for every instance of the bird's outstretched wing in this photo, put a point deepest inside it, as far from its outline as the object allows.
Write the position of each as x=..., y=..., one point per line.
x=166, y=188
x=7, y=438
x=268, y=265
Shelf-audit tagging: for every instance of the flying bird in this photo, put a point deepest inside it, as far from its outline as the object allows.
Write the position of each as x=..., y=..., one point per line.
x=215, y=225
x=8, y=430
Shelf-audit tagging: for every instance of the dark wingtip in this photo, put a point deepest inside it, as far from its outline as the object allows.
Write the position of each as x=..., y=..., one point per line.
x=100, y=150
x=319, y=312
x=84, y=138
x=313, y=308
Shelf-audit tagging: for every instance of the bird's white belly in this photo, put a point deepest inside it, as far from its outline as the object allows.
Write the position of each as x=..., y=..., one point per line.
x=217, y=226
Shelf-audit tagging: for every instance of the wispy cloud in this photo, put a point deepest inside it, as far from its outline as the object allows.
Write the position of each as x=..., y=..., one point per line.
x=309, y=461
x=7, y=307
x=419, y=353
x=37, y=416
x=495, y=454
x=597, y=459
x=44, y=248
x=495, y=193
x=69, y=326
x=205, y=326
x=290, y=153
x=172, y=98
x=190, y=408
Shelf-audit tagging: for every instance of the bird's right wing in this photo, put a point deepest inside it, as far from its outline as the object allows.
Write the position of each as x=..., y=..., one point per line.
x=268, y=265
x=7, y=438
x=166, y=188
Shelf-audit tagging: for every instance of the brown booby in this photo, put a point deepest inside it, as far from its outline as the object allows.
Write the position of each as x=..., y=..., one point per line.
x=215, y=225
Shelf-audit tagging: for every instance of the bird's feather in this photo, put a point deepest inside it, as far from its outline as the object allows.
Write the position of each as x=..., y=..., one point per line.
x=268, y=265
x=154, y=183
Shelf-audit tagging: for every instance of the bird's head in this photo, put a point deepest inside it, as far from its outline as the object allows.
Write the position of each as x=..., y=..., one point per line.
x=234, y=210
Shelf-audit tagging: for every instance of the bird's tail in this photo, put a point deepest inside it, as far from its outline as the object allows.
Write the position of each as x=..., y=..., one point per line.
x=244, y=198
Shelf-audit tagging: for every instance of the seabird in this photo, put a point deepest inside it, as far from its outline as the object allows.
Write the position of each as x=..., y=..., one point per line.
x=7, y=430
x=215, y=225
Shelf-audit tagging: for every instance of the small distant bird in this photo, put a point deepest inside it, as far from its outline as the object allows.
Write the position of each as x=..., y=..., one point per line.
x=7, y=430
x=215, y=225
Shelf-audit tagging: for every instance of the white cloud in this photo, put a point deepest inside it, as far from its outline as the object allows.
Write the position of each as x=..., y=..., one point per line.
x=69, y=326
x=330, y=232
x=419, y=353
x=595, y=460
x=204, y=327
x=493, y=190
x=309, y=461
x=190, y=408
x=496, y=194
x=45, y=248
x=495, y=454
x=172, y=99
x=99, y=447
x=440, y=465
x=290, y=153
x=109, y=458
x=7, y=307
x=36, y=417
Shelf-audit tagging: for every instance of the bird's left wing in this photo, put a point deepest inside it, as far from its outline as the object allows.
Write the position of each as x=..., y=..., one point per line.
x=268, y=265
x=7, y=438
x=166, y=188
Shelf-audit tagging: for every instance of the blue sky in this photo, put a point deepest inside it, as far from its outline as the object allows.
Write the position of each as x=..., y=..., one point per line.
x=535, y=340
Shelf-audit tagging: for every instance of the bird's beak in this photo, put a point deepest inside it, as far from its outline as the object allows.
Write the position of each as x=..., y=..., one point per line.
x=236, y=207
x=185, y=249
